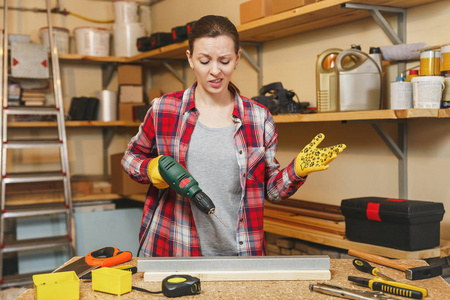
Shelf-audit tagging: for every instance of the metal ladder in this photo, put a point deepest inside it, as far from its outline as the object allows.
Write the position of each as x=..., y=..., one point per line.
x=62, y=208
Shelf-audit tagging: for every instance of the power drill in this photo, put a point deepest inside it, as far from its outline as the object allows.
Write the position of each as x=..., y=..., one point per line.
x=179, y=179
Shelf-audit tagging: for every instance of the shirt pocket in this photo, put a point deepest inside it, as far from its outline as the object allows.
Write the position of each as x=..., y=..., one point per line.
x=256, y=163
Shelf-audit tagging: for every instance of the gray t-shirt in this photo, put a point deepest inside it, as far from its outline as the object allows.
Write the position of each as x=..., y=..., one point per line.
x=211, y=160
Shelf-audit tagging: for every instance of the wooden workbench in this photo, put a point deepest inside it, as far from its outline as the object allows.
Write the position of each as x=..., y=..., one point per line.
x=437, y=287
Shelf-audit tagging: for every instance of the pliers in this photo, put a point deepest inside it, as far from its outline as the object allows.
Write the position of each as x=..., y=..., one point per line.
x=346, y=293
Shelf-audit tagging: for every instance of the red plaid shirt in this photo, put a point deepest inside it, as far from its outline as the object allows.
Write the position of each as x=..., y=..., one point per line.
x=167, y=130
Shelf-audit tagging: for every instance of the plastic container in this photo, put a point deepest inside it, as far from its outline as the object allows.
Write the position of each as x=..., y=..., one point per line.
x=56, y=286
x=401, y=224
x=412, y=74
x=427, y=91
x=92, y=41
x=62, y=37
x=445, y=58
x=125, y=12
x=360, y=80
x=326, y=80
x=430, y=62
x=125, y=38
x=107, y=108
x=400, y=94
x=112, y=281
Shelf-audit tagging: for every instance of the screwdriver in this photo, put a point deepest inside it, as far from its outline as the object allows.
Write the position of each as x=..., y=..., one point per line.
x=364, y=266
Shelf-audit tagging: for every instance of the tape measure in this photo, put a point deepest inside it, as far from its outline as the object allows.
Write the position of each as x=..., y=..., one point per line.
x=180, y=285
x=176, y=286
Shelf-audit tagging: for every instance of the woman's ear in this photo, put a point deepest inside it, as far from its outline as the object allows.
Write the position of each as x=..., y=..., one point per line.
x=189, y=57
x=238, y=58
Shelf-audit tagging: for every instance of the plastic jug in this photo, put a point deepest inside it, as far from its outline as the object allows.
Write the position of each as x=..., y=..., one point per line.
x=326, y=80
x=360, y=80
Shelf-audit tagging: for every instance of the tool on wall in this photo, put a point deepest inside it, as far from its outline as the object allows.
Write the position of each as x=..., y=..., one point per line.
x=411, y=272
x=346, y=293
x=391, y=287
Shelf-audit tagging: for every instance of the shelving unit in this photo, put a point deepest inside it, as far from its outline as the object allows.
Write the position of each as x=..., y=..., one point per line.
x=303, y=19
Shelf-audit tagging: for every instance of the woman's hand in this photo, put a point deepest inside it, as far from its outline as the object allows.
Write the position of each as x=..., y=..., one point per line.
x=313, y=159
x=154, y=175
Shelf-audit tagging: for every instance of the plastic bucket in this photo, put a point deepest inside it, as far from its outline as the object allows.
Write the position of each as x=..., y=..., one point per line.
x=427, y=91
x=125, y=38
x=125, y=12
x=61, y=37
x=92, y=41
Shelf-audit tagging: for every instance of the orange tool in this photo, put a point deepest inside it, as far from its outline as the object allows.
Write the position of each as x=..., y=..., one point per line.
x=107, y=257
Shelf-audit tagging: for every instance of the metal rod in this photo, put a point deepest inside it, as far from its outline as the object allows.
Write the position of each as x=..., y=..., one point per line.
x=400, y=151
x=174, y=72
x=234, y=263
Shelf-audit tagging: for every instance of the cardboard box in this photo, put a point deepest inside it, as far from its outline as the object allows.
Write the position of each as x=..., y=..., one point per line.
x=129, y=74
x=284, y=5
x=121, y=183
x=400, y=224
x=126, y=111
x=131, y=94
x=255, y=9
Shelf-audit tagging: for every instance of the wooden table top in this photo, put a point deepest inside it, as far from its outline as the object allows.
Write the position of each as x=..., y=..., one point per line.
x=437, y=287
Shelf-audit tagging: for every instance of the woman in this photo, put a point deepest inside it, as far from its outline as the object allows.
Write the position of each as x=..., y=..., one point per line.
x=227, y=143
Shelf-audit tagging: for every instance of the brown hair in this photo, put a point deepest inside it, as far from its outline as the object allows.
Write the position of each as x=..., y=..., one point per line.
x=213, y=26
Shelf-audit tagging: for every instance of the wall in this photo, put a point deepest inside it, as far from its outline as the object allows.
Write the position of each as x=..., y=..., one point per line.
x=366, y=168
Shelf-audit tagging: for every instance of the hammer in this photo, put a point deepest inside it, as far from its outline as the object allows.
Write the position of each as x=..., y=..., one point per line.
x=411, y=272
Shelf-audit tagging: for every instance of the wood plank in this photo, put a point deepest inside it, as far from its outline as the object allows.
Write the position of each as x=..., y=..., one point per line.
x=274, y=226
x=444, y=113
x=310, y=205
x=245, y=275
x=315, y=223
x=305, y=212
x=416, y=113
x=302, y=227
x=336, y=116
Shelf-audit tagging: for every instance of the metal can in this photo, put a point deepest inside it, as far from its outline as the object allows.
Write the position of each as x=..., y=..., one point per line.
x=430, y=62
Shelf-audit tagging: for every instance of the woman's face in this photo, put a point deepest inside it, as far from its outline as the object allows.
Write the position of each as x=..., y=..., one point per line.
x=213, y=61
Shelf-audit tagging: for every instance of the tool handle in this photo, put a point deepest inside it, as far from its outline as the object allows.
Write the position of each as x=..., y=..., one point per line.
x=364, y=266
x=398, y=288
x=379, y=260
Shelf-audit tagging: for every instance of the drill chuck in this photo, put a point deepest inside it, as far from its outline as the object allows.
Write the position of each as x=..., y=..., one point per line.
x=179, y=179
x=203, y=202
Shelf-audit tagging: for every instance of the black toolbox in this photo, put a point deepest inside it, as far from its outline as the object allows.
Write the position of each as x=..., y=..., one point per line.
x=401, y=224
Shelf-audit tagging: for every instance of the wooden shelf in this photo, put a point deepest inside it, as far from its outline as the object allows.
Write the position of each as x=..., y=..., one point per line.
x=287, y=118
x=364, y=115
x=307, y=18
x=310, y=17
x=74, y=124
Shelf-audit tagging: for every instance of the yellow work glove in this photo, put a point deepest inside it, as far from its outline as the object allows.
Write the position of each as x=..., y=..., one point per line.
x=313, y=159
x=154, y=175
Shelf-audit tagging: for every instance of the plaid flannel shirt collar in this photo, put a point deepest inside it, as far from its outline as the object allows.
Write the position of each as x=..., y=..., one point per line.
x=189, y=102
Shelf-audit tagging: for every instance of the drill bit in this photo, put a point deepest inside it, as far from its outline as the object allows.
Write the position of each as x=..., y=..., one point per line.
x=212, y=212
